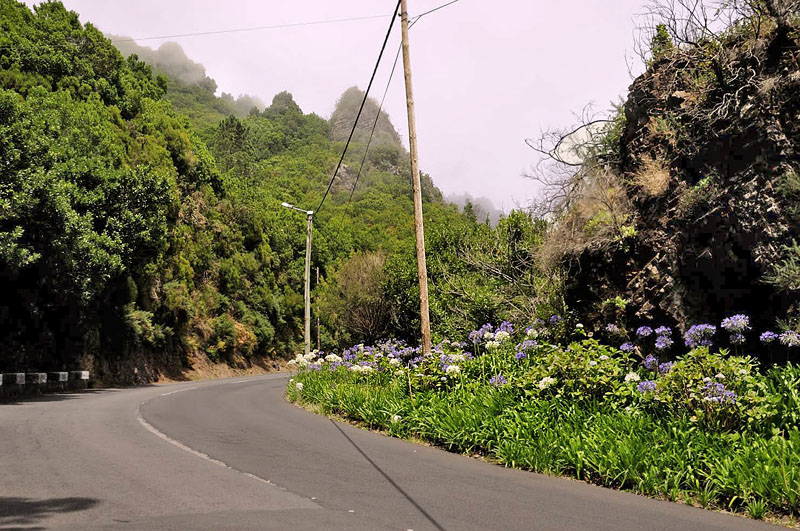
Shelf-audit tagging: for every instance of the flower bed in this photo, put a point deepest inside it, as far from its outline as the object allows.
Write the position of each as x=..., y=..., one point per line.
x=706, y=428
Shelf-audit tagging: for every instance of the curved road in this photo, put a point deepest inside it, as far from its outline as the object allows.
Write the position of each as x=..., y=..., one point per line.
x=233, y=454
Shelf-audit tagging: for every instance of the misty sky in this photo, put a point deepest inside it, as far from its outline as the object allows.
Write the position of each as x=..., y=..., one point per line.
x=486, y=74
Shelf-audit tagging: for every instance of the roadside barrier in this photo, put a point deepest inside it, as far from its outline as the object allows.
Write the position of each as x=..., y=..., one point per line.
x=19, y=384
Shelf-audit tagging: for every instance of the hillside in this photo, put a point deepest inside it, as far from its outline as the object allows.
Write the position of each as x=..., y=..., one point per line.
x=685, y=208
x=134, y=245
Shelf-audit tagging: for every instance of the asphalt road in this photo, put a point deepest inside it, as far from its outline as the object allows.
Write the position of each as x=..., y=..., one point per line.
x=233, y=454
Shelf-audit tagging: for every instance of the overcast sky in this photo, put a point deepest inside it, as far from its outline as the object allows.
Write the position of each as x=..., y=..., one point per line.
x=486, y=74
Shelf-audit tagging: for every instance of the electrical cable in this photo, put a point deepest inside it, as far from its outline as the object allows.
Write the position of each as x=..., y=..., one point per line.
x=375, y=123
x=360, y=109
x=258, y=28
x=435, y=9
x=380, y=107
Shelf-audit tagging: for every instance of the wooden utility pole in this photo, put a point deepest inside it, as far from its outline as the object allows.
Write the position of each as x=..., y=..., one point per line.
x=310, y=216
x=317, y=284
x=422, y=269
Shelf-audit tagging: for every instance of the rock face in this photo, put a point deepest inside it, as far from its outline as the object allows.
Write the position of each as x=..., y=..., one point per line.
x=710, y=157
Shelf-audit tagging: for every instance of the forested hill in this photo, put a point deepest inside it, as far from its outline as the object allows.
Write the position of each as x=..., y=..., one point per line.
x=134, y=245
x=189, y=89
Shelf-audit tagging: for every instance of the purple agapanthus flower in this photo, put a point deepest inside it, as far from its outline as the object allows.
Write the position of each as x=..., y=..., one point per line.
x=505, y=326
x=555, y=319
x=627, y=347
x=612, y=329
x=644, y=331
x=525, y=345
x=736, y=324
x=647, y=386
x=650, y=362
x=665, y=367
x=520, y=355
x=790, y=339
x=663, y=342
x=498, y=380
x=663, y=331
x=699, y=335
x=768, y=337
x=718, y=393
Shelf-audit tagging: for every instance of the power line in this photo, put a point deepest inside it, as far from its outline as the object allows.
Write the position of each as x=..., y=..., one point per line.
x=361, y=108
x=375, y=123
x=258, y=28
x=434, y=9
x=386, y=90
x=277, y=26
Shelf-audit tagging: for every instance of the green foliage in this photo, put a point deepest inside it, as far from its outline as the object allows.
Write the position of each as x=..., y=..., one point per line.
x=661, y=45
x=579, y=410
x=785, y=275
x=353, y=300
x=477, y=274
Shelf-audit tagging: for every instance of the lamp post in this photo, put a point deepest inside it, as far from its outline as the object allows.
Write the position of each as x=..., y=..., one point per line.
x=307, y=295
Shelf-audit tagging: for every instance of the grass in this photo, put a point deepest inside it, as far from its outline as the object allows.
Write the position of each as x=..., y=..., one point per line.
x=665, y=456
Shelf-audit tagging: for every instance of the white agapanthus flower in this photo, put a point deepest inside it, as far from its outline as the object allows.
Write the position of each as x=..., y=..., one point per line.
x=592, y=363
x=396, y=419
x=457, y=357
x=292, y=362
x=299, y=386
x=720, y=376
x=502, y=335
x=742, y=371
x=546, y=382
x=532, y=332
x=356, y=368
x=488, y=335
x=452, y=369
x=706, y=379
x=603, y=357
x=632, y=377
x=366, y=369
x=332, y=358
x=399, y=373
x=492, y=344
x=394, y=361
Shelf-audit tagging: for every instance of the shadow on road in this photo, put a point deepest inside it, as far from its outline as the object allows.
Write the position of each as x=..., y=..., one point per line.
x=27, y=511
x=389, y=479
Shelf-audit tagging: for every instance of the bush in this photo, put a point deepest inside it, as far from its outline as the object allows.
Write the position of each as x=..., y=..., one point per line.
x=706, y=428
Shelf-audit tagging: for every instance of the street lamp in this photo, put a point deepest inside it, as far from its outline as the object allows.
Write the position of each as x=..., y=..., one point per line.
x=310, y=218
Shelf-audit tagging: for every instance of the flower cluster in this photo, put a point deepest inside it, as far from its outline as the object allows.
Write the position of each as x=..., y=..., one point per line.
x=790, y=339
x=699, y=335
x=627, y=347
x=717, y=392
x=736, y=326
x=632, y=377
x=613, y=329
x=650, y=362
x=498, y=380
x=483, y=333
x=647, y=386
x=546, y=382
x=644, y=331
x=768, y=337
x=663, y=338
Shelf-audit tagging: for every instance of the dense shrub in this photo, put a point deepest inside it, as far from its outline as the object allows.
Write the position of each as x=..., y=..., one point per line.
x=706, y=427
